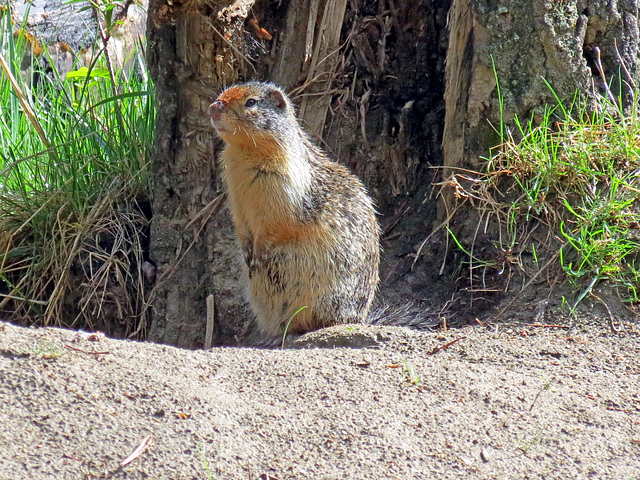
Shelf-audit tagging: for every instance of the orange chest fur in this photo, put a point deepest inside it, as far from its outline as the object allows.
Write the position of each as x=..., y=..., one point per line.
x=262, y=203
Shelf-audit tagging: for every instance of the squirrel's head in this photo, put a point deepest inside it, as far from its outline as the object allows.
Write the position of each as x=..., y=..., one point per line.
x=252, y=112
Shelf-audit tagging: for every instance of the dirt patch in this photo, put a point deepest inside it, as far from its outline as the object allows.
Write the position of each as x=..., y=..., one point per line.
x=501, y=402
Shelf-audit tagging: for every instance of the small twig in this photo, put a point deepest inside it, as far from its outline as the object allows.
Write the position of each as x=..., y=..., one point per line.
x=624, y=410
x=71, y=457
x=138, y=451
x=540, y=325
x=537, y=274
x=445, y=346
x=443, y=323
x=544, y=387
x=611, y=319
x=233, y=47
x=624, y=67
x=211, y=313
x=629, y=309
x=207, y=211
x=85, y=351
x=395, y=218
x=604, y=78
x=443, y=224
x=93, y=403
x=26, y=107
x=536, y=399
x=173, y=266
x=12, y=297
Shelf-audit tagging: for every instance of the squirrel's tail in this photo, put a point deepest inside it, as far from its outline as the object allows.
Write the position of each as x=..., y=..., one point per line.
x=409, y=315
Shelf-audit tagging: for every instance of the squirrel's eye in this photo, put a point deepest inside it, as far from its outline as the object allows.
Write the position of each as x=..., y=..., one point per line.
x=250, y=103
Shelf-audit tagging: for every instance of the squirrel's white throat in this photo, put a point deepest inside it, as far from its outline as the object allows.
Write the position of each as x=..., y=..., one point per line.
x=299, y=178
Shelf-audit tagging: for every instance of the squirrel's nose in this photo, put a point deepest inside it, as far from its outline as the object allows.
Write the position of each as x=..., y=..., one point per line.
x=215, y=110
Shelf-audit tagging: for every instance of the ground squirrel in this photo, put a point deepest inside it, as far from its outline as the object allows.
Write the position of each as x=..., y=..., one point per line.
x=306, y=225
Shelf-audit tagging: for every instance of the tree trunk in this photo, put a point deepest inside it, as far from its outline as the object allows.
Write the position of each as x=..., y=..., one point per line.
x=191, y=57
x=528, y=41
x=521, y=44
x=369, y=81
x=368, y=78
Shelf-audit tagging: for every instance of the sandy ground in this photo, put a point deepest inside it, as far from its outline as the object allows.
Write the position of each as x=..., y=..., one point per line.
x=519, y=402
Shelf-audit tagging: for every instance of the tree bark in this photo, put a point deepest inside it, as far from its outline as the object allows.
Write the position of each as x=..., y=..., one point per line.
x=369, y=81
x=527, y=41
x=368, y=78
x=534, y=53
x=192, y=56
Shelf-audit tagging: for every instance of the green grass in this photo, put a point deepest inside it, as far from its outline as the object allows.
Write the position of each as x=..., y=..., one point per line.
x=409, y=374
x=46, y=350
x=286, y=328
x=74, y=190
x=208, y=470
x=528, y=445
x=575, y=172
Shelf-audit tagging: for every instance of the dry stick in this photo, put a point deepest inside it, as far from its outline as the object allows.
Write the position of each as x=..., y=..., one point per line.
x=233, y=47
x=624, y=67
x=180, y=255
x=544, y=267
x=212, y=205
x=211, y=310
x=445, y=346
x=604, y=79
x=541, y=325
x=84, y=351
x=538, y=396
x=624, y=410
x=443, y=224
x=471, y=250
x=25, y=105
x=12, y=297
x=297, y=92
x=611, y=319
x=138, y=451
x=446, y=252
x=93, y=403
x=71, y=457
x=632, y=311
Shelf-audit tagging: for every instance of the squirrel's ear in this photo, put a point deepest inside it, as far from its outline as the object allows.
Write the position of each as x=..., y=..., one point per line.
x=278, y=99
